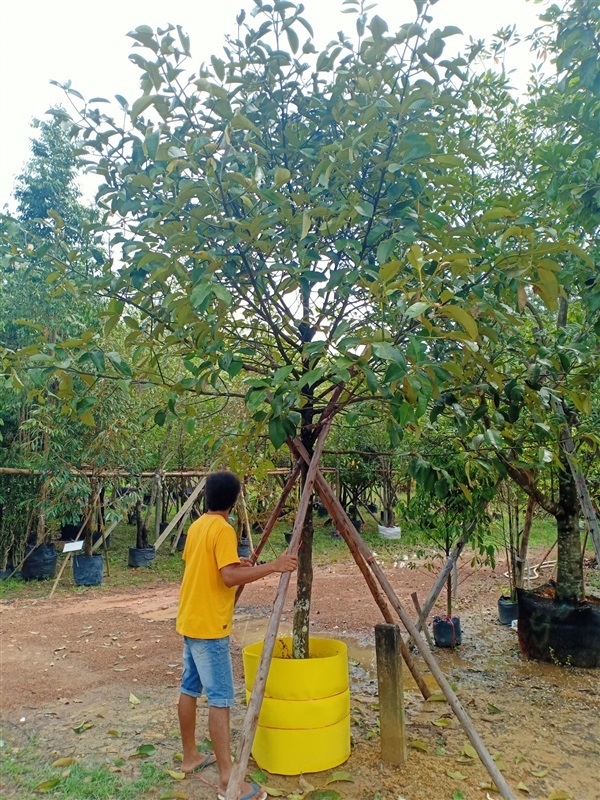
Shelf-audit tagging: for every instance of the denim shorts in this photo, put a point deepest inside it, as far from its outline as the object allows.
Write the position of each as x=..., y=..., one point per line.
x=207, y=666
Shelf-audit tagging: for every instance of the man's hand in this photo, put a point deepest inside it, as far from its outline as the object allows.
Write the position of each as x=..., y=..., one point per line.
x=246, y=562
x=285, y=563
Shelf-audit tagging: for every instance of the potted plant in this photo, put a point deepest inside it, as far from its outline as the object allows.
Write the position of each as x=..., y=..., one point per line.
x=516, y=542
x=88, y=567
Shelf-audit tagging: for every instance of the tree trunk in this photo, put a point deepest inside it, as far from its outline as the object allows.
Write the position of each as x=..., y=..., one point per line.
x=569, y=580
x=521, y=556
x=142, y=531
x=300, y=637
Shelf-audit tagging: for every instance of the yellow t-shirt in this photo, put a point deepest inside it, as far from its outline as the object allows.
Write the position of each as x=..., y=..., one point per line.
x=205, y=602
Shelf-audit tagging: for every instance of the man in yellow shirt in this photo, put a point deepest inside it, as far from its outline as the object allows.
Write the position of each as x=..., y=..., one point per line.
x=206, y=601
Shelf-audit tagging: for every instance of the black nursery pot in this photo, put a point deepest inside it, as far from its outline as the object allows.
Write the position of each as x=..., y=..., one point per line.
x=40, y=563
x=181, y=542
x=446, y=632
x=88, y=570
x=243, y=548
x=141, y=557
x=508, y=610
x=558, y=631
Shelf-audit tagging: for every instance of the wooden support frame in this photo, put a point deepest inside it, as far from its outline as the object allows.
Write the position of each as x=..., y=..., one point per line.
x=343, y=522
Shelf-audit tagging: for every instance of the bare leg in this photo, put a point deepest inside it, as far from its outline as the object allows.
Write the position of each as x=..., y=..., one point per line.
x=218, y=727
x=187, y=725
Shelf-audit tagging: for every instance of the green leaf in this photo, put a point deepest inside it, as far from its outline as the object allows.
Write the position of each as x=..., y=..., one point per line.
x=323, y=794
x=47, y=786
x=83, y=727
x=464, y=319
x=277, y=432
x=145, y=750
x=292, y=39
x=341, y=775
x=456, y=775
x=282, y=175
x=417, y=745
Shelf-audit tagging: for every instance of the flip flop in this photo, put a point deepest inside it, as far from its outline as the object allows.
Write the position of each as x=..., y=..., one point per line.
x=203, y=764
x=256, y=794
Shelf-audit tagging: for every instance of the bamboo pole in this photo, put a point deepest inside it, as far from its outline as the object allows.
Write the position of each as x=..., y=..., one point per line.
x=177, y=536
x=186, y=507
x=105, y=535
x=258, y=690
x=290, y=483
x=328, y=497
x=422, y=619
x=116, y=473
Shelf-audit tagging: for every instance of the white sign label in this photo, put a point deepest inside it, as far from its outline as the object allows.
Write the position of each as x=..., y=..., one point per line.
x=71, y=547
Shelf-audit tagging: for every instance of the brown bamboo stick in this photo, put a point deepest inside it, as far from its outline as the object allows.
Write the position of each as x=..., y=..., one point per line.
x=504, y=789
x=422, y=619
x=258, y=690
x=271, y=522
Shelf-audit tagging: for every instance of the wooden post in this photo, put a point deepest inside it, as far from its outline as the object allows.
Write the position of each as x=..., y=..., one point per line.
x=391, y=694
x=158, y=512
x=258, y=690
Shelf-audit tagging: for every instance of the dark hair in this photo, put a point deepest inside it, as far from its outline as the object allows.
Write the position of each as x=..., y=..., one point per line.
x=221, y=491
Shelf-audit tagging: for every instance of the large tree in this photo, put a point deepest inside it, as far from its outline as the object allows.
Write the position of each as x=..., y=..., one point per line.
x=284, y=222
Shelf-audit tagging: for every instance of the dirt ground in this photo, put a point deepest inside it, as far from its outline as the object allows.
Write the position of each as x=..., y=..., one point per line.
x=79, y=658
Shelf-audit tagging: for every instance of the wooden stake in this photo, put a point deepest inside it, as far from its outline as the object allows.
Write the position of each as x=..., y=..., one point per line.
x=422, y=619
x=391, y=694
x=59, y=576
x=246, y=518
x=258, y=690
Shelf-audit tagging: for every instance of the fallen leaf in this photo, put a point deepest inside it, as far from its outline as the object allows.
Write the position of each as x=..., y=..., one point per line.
x=522, y=788
x=436, y=698
x=493, y=709
x=469, y=750
x=457, y=776
x=443, y=722
x=519, y=759
x=258, y=776
x=417, y=745
x=304, y=784
x=558, y=794
x=323, y=794
x=113, y=732
x=539, y=773
x=458, y=795
x=177, y=756
x=134, y=700
x=47, y=786
x=273, y=792
x=83, y=727
x=498, y=756
x=63, y=762
x=174, y=795
x=145, y=750
x=177, y=776
x=339, y=776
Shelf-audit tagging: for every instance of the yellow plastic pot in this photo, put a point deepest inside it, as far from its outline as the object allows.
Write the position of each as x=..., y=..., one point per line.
x=304, y=722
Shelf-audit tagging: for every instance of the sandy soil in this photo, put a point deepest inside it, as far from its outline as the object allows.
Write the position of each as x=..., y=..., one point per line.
x=78, y=658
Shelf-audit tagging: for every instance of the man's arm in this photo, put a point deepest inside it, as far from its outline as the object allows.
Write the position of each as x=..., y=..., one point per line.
x=240, y=574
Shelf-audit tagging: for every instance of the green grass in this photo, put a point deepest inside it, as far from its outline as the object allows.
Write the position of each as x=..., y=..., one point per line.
x=26, y=776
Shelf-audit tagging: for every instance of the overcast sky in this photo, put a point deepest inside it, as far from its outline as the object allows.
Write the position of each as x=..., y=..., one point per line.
x=85, y=42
